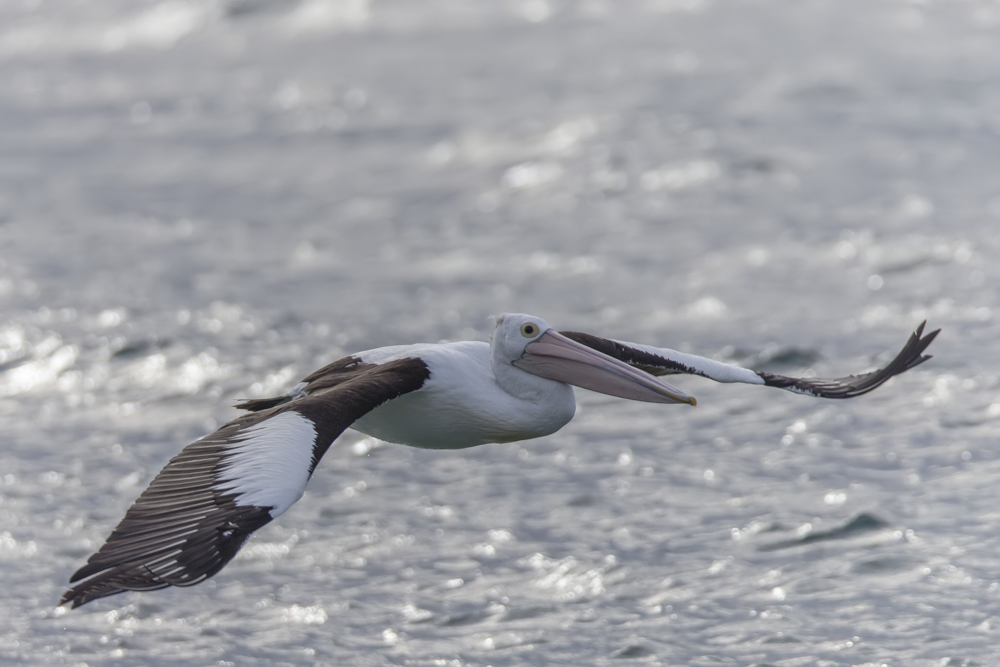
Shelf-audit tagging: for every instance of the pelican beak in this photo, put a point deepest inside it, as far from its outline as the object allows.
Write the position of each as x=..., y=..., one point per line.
x=556, y=357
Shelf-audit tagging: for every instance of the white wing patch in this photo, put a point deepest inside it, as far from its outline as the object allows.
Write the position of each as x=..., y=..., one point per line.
x=710, y=368
x=269, y=465
x=298, y=391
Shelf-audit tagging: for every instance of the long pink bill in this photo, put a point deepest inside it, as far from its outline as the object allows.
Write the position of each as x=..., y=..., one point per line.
x=556, y=357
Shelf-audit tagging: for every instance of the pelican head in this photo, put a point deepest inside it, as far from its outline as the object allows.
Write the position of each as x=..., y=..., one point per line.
x=530, y=344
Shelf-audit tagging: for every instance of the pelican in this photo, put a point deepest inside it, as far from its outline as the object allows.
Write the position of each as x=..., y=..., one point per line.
x=207, y=501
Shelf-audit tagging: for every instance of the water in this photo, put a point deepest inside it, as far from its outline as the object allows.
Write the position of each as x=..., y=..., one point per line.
x=207, y=201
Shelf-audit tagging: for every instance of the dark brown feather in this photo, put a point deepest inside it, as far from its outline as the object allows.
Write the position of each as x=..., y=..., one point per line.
x=846, y=387
x=183, y=529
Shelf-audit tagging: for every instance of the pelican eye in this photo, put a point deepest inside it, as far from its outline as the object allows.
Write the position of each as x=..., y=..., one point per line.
x=529, y=330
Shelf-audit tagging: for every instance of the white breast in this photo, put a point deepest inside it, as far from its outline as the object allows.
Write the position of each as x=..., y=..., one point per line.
x=461, y=404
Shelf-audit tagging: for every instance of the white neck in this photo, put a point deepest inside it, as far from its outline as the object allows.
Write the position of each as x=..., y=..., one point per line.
x=522, y=384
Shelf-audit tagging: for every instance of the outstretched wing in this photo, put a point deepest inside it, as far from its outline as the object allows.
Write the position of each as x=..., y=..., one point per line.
x=662, y=361
x=204, y=505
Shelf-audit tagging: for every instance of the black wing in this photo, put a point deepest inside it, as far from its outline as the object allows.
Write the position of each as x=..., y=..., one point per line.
x=911, y=355
x=203, y=506
x=331, y=375
x=662, y=361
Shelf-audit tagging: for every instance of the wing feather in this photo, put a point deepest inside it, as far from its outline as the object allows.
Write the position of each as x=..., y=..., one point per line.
x=202, y=507
x=663, y=361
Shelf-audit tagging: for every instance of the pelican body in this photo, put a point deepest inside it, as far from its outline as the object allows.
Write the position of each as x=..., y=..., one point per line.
x=202, y=507
x=456, y=408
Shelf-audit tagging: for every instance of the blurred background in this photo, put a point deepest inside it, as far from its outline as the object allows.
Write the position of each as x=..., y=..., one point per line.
x=204, y=201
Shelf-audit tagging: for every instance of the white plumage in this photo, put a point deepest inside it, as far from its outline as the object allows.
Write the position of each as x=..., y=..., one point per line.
x=270, y=464
x=463, y=403
x=200, y=509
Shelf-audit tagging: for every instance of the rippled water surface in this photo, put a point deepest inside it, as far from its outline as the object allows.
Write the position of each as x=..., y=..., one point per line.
x=206, y=201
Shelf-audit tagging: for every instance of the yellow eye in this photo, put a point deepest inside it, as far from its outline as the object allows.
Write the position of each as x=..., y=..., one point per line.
x=529, y=330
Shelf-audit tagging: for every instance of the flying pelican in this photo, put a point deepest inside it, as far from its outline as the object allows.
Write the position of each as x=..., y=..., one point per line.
x=207, y=501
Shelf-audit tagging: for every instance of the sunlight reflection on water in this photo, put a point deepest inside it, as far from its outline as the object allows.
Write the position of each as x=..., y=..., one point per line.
x=206, y=202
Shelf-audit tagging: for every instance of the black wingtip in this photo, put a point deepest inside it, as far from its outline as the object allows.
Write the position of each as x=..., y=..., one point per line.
x=918, y=343
x=92, y=589
x=77, y=595
x=851, y=386
x=80, y=595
